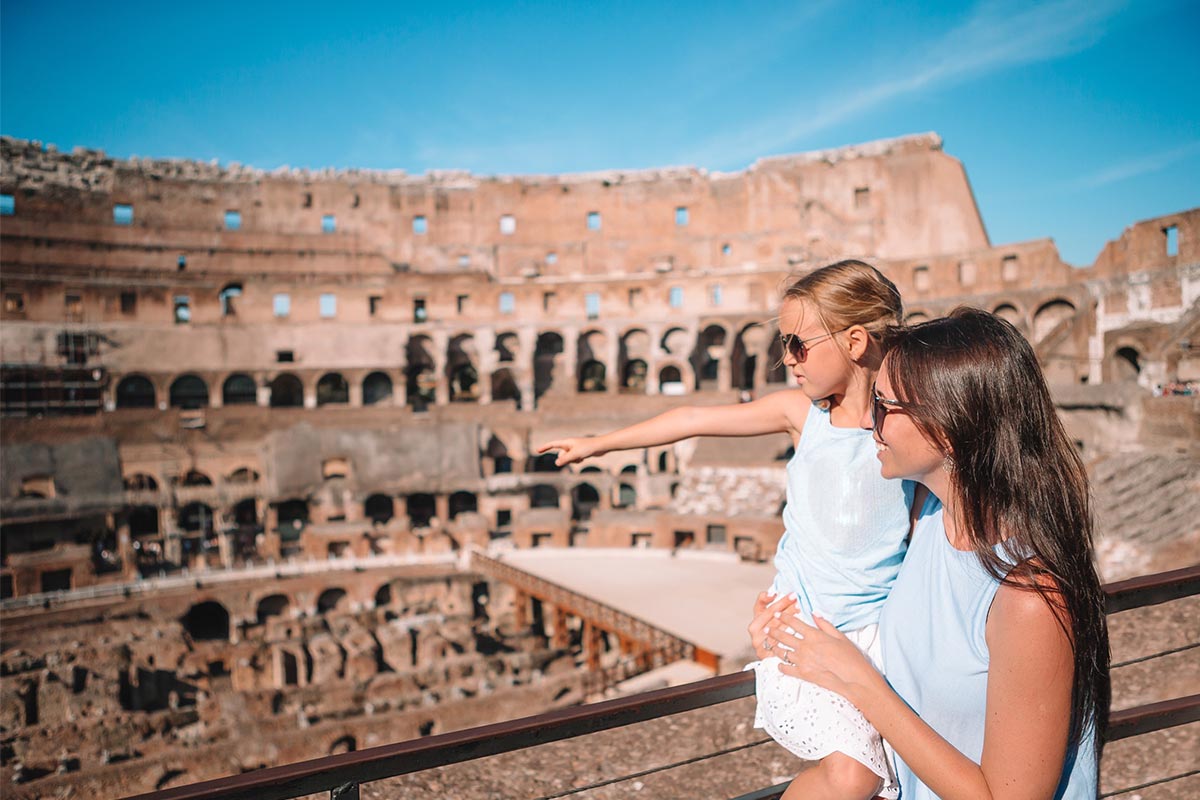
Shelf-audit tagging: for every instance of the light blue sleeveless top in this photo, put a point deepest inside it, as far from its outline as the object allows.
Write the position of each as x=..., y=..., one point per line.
x=935, y=653
x=844, y=525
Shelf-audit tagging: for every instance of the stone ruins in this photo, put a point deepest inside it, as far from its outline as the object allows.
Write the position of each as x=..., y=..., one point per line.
x=257, y=423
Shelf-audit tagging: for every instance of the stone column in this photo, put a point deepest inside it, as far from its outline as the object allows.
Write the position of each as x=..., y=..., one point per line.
x=356, y=392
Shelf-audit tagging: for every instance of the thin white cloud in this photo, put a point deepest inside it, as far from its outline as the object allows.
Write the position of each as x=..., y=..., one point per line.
x=995, y=36
x=1142, y=165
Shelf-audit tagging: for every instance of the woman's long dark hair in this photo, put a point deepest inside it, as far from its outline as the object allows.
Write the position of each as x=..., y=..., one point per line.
x=977, y=390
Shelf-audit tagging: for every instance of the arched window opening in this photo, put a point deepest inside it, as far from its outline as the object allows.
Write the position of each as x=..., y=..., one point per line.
x=706, y=358
x=545, y=357
x=504, y=387
x=207, y=621
x=584, y=499
x=421, y=510
x=135, y=391
x=777, y=371
x=271, y=606
x=287, y=392
x=1127, y=363
x=196, y=518
x=1050, y=316
x=626, y=496
x=592, y=377
x=670, y=381
x=379, y=508
x=334, y=599
x=245, y=513
x=633, y=380
x=377, y=388
x=228, y=296
x=188, y=391
x=333, y=389
x=384, y=595
x=141, y=482
x=243, y=475
x=195, y=478
x=460, y=370
x=420, y=378
x=143, y=521
x=543, y=496
x=1009, y=313
x=293, y=516
x=239, y=390
x=544, y=463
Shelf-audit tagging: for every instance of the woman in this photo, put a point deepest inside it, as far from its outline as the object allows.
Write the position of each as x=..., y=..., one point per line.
x=994, y=637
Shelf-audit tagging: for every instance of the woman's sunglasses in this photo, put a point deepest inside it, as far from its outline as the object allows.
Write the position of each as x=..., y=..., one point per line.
x=880, y=406
x=799, y=347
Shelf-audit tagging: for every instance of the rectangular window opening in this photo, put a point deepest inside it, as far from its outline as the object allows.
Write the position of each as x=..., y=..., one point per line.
x=508, y=224
x=14, y=302
x=715, y=534
x=464, y=261
x=591, y=303
x=551, y=258
x=419, y=313
x=8, y=205
x=1009, y=268
x=967, y=273
x=862, y=197
x=507, y=303
x=282, y=304
x=593, y=221
x=183, y=309
x=1171, y=235
x=714, y=294
x=73, y=304
x=460, y=302
x=328, y=305
x=328, y=224
x=635, y=297
x=681, y=217
x=548, y=299
x=675, y=296
x=373, y=304
x=233, y=220
x=921, y=279
x=420, y=225
x=284, y=356
x=123, y=214
x=128, y=302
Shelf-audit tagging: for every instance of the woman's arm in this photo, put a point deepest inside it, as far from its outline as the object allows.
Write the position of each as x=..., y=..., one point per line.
x=779, y=412
x=1030, y=675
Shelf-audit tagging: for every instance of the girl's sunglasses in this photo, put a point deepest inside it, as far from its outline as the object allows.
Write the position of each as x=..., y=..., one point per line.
x=880, y=406
x=799, y=347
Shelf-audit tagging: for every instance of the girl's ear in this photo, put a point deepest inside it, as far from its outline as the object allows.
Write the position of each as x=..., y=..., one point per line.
x=857, y=341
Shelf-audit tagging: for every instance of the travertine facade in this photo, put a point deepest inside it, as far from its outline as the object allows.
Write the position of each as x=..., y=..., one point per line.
x=209, y=367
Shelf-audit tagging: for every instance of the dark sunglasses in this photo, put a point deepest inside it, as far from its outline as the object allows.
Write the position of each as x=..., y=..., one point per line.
x=799, y=347
x=880, y=406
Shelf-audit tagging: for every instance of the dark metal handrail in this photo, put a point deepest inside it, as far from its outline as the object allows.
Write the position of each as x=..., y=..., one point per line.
x=341, y=774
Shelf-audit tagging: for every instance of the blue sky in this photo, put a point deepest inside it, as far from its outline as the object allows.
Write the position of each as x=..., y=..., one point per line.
x=1074, y=118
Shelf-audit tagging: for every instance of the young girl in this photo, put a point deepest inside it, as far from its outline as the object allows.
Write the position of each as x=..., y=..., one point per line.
x=844, y=526
x=994, y=635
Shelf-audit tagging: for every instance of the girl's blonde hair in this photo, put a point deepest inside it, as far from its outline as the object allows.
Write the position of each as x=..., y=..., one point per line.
x=850, y=293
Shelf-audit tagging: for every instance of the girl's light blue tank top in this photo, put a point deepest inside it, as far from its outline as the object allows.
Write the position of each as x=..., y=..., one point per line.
x=845, y=526
x=935, y=652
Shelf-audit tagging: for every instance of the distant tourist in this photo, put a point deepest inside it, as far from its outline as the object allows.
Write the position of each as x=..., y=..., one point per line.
x=844, y=525
x=994, y=637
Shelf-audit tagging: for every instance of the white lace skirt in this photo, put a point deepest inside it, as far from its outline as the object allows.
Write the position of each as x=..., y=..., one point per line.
x=812, y=722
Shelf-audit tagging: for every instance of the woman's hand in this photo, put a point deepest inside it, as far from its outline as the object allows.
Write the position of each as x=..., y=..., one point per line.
x=768, y=609
x=822, y=655
x=572, y=450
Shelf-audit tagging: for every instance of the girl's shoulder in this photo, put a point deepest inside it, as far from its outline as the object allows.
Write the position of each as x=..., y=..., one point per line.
x=795, y=407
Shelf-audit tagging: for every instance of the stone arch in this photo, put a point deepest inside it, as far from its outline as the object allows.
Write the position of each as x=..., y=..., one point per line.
x=1050, y=315
x=286, y=391
x=593, y=376
x=1010, y=313
x=504, y=386
x=421, y=509
x=633, y=356
x=273, y=605
x=194, y=477
x=675, y=342
x=239, y=389
x=140, y=482
x=243, y=475
x=333, y=389
x=671, y=379
x=543, y=495
x=461, y=372
x=376, y=389
x=379, y=508
x=707, y=355
x=207, y=620
x=420, y=372
x=188, y=391
x=748, y=348
x=1125, y=364
x=508, y=347
x=777, y=371
x=545, y=358
x=345, y=744
x=136, y=391
x=461, y=502
x=332, y=599
x=498, y=452
x=584, y=500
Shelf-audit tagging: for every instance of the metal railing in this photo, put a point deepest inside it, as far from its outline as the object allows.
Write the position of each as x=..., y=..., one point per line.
x=341, y=775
